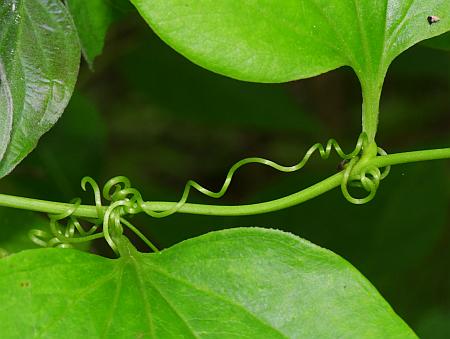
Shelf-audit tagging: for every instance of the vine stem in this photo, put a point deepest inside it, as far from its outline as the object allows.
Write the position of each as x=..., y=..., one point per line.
x=87, y=211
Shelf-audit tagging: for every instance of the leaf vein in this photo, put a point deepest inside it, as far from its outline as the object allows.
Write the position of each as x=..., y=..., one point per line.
x=214, y=294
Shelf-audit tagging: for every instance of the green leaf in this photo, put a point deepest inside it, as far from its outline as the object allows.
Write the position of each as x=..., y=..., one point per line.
x=71, y=150
x=6, y=109
x=39, y=60
x=236, y=283
x=212, y=100
x=397, y=242
x=282, y=40
x=92, y=19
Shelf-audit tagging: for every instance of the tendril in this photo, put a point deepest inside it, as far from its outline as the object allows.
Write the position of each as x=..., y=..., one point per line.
x=65, y=235
x=112, y=217
x=369, y=184
x=124, y=200
x=369, y=179
x=97, y=194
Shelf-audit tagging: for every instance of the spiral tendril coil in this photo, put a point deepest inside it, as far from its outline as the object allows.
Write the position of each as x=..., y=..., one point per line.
x=124, y=200
x=369, y=180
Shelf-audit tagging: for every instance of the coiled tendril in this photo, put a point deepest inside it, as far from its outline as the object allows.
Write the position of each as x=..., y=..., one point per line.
x=64, y=235
x=369, y=180
x=125, y=200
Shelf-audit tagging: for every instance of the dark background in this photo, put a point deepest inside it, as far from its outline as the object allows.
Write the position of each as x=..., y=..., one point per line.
x=148, y=113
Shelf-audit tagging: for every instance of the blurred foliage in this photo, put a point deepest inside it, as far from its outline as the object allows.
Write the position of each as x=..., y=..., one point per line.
x=14, y=220
x=148, y=113
x=439, y=42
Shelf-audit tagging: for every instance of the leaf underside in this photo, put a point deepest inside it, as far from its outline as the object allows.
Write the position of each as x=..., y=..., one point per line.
x=246, y=283
x=283, y=40
x=39, y=61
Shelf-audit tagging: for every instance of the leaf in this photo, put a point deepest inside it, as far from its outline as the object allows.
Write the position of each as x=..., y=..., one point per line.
x=398, y=243
x=39, y=60
x=283, y=40
x=213, y=99
x=67, y=153
x=92, y=19
x=236, y=283
x=6, y=107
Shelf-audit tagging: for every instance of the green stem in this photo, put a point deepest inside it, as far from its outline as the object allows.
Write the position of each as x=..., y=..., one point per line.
x=263, y=207
x=44, y=206
x=407, y=157
x=86, y=211
x=371, y=91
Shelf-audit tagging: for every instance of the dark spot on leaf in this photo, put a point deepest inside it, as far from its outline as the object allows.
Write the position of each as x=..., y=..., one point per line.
x=25, y=284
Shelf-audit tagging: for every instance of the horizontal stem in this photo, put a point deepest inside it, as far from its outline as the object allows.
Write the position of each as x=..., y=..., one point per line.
x=263, y=207
x=408, y=157
x=44, y=206
x=87, y=211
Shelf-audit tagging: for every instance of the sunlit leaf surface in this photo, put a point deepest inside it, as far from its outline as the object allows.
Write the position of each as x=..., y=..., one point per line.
x=246, y=283
x=282, y=40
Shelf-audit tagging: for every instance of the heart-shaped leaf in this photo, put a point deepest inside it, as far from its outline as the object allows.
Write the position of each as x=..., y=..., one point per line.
x=39, y=60
x=237, y=283
x=282, y=40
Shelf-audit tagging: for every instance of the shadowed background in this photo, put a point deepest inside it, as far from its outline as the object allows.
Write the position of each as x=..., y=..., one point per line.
x=148, y=113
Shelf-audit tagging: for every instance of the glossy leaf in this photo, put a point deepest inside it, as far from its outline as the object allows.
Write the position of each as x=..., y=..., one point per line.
x=236, y=283
x=212, y=99
x=39, y=60
x=92, y=19
x=282, y=40
x=71, y=150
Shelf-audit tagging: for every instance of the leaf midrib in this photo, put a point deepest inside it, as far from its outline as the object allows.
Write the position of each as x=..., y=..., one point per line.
x=160, y=271
x=148, y=312
x=163, y=296
x=43, y=52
